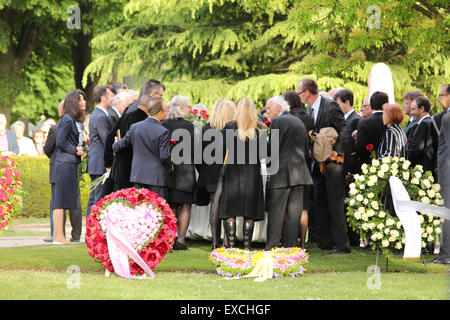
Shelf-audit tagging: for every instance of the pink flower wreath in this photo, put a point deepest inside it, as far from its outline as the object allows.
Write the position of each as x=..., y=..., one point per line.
x=155, y=246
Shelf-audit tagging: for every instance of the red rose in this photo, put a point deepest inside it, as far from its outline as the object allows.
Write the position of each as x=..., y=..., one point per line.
x=195, y=111
x=205, y=116
x=267, y=123
x=173, y=142
x=369, y=147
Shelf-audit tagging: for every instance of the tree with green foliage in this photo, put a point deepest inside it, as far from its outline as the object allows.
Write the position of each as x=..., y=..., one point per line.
x=45, y=48
x=208, y=49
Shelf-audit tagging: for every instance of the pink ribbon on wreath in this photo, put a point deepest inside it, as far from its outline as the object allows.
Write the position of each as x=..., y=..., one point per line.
x=119, y=250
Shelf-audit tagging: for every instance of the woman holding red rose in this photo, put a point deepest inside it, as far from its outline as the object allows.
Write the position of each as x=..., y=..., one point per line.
x=394, y=140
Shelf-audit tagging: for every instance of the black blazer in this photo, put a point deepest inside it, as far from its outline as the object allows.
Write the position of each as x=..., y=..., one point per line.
x=50, y=151
x=113, y=116
x=99, y=126
x=67, y=140
x=370, y=131
x=409, y=129
x=120, y=162
x=293, y=146
x=151, y=162
x=209, y=173
x=421, y=149
x=331, y=115
x=183, y=176
x=352, y=162
x=307, y=120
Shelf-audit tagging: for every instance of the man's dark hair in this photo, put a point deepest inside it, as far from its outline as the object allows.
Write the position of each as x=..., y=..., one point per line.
x=310, y=85
x=411, y=95
x=154, y=105
x=149, y=86
x=292, y=97
x=423, y=102
x=377, y=100
x=72, y=105
x=117, y=86
x=344, y=95
x=100, y=91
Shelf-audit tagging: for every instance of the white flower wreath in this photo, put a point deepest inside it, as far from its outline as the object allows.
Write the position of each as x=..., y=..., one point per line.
x=365, y=212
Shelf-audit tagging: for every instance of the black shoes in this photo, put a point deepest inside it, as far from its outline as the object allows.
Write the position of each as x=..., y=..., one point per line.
x=179, y=246
x=50, y=239
x=439, y=261
x=341, y=251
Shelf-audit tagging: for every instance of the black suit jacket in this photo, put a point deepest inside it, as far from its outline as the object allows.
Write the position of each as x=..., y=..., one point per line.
x=113, y=115
x=99, y=126
x=151, y=162
x=420, y=149
x=352, y=162
x=67, y=140
x=209, y=173
x=409, y=129
x=293, y=147
x=50, y=150
x=120, y=162
x=183, y=176
x=370, y=131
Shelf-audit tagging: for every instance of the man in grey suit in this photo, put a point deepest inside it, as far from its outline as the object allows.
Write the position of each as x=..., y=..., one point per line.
x=151, y=164
x=99, y=126
x=285, y=188
x=443, y=162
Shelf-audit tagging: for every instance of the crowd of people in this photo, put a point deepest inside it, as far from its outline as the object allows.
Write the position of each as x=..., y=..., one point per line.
x=130, y=136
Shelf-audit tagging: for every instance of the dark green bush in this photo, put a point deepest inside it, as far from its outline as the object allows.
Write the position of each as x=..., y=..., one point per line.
x=34, y=174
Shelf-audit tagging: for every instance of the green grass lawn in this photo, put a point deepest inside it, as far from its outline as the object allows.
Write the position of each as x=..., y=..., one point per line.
x=41, y=272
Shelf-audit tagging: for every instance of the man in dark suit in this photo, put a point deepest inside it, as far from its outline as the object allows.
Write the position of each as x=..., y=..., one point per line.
x=443, y=163
x=75, y=215
x=408, y=98
x=328, y=212
x=122, y=100
x=344, y=98
x=371, y=130
x=436, y=120
x=151, y=163
x=120, y=162
x=285, y=189
x=99, y=126
x=420, y=149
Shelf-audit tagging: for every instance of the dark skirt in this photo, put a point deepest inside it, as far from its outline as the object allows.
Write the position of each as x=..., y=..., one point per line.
x=66, y=185
x=180, y=197
x=242, y=193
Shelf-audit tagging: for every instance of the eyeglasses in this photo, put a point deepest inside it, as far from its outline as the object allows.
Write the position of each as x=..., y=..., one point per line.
x=160, y=94
x=299, y=93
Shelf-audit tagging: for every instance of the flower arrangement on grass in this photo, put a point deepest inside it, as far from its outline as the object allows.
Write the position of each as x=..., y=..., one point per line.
x=10, y=192
x=233, y=262
x=143, y=218
x=367, y=214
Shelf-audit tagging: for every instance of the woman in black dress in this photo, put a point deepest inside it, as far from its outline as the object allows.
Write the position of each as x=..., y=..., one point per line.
x=298, y=110
x=68, y=153
x=223, y=111
x=182, y=178
x=242, y=193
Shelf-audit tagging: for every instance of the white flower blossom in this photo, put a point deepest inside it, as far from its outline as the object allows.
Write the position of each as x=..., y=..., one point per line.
x=406, y=164
x=437, y=230
x=406, y=175
x=398, y=246
x=436, y=187
x=352, y=186
x=375, y=163
x=380, y=174
x=385, y=243
x=387, y=231
x=380, y=226
x=359, y=198
x=417, y=174
x=422, y=193
x=386, y=160
x=425, y=200
x=382, y=214
x=361, y=209
x=426, y=183
x=421, y=220
x=357, y=215
x=372, y=170
x=375, y=205
x=415, y=181
x=370, y=195
x=390, y=222
x=399, y=225
x=352, y=202
x=370, y=213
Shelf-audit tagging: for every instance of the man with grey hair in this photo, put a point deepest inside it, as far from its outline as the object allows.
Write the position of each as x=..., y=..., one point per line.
x=285, y=188
x=122, y=100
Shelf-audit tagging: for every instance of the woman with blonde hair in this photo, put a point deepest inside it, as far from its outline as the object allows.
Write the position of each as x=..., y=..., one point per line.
x=242, y=193
x=182, y=178
x=223, y=111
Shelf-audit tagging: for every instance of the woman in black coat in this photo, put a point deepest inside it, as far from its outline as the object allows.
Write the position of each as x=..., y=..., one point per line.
x=298, y=110
x=223, y=111
x=182, y=178
x=68, y=153
x=242, y=193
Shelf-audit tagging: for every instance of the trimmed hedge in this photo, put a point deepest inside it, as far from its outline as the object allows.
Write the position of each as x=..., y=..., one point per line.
x=34, y=174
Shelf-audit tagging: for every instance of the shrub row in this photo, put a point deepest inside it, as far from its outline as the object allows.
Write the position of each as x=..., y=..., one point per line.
x=34, y=174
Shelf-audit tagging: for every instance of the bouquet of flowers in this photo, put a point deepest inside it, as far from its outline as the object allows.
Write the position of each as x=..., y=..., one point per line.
x=143, y=218
x=233, y=262
x=199, y=118
x=10, y=192
x=365, y=212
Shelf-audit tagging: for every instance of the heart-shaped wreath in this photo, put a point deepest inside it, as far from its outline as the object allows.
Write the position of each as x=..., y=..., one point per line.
x=234, y=262
x=10, y=192
x=143, y=218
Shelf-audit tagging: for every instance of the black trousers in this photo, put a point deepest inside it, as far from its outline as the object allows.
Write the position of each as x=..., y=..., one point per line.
x=329, y=207
x=282, y=201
